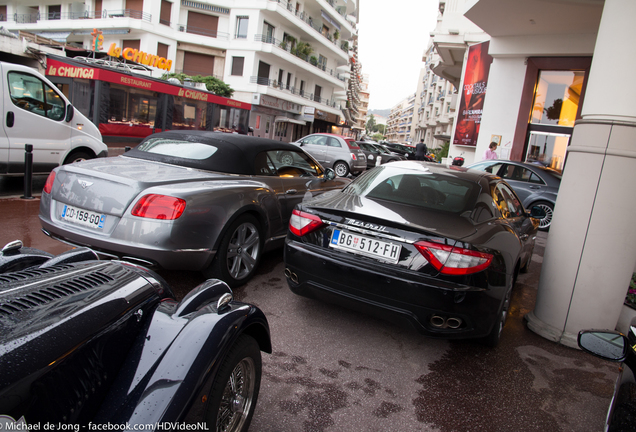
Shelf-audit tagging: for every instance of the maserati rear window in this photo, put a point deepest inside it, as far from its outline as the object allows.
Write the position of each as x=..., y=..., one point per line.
x=177, y=148
x=427, y=190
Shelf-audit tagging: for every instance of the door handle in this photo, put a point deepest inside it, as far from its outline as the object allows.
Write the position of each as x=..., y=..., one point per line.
x=10, y=118
x=291, y=192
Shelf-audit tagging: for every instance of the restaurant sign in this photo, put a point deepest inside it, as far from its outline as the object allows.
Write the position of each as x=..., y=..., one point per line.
x=61, y=69
x=137, y=56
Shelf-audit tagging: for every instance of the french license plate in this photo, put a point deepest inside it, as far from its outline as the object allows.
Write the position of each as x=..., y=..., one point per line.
x=83, y=217
x=363, y=245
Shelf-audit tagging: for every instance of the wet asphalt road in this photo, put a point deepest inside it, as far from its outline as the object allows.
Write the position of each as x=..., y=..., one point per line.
x=333, y=369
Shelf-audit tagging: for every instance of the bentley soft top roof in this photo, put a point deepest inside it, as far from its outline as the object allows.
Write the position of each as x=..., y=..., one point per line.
x=234, y=153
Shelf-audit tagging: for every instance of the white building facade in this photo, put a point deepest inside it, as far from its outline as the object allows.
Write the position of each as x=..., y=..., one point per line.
x=289, y=60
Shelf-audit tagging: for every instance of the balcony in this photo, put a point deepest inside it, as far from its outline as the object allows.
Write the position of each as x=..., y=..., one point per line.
x=121, y=13
x=202, y=31
x=314, y=24
x=275, y=84
x=287, y=46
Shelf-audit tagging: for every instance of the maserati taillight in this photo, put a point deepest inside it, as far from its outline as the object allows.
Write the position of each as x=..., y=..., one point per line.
x=48, y=186
x=452, y=260
x=302, y=223
x=156, y=206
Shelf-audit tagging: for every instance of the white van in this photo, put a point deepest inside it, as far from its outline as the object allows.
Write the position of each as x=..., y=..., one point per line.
x=34, y=111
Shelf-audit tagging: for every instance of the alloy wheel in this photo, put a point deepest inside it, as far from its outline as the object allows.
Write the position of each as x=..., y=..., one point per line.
x=547, y=220
x=243, y=250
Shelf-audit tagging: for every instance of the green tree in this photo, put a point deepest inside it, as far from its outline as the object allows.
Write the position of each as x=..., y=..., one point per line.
x=377, y=137
x=380, y=128
x=215, y=85
x=370, y=126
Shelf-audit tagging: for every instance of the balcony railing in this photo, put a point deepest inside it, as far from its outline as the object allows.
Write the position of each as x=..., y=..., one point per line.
x=286, y=46
x=291, y=89
x=344, y=46
x=33, y=18
x=202, y=31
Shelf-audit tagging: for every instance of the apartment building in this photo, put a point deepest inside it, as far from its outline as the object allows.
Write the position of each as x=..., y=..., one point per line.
x=400, y=122
x=436, y=102
x=290, y=62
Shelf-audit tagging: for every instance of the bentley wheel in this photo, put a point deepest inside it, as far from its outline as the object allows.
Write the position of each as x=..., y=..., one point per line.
x=239, y=252
x=544, y=224
x=341, y=169
x=234, y=392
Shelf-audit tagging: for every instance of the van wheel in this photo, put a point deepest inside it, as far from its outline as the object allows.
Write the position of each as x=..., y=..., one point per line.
x=341, y=169
x=77, y=156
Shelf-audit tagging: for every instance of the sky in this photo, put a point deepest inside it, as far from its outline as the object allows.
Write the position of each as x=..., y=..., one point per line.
x=392, y=36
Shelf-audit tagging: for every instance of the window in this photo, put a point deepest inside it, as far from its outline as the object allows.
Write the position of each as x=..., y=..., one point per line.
x=162, y=50
x=166, y=11
x=32, y=94
x=237, y=66
x=202, y=24
x=280, y=77
x=241, y=27
x=292, y=164
x=55, y=12
x=507, y=201
x=268, y=32
x=317, y=93
x=302, y=88
x=322, y=62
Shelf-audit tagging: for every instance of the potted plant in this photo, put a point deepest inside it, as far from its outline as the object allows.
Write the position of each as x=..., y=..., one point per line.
x=313, y=60
x=336, y=35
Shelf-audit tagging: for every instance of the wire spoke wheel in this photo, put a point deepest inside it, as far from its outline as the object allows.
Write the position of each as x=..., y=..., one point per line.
x=237, y=398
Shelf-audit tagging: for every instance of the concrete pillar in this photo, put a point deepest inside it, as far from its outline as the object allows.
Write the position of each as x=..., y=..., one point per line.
x=591, y=250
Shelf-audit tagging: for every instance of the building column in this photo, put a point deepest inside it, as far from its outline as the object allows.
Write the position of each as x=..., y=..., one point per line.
x=591, y=250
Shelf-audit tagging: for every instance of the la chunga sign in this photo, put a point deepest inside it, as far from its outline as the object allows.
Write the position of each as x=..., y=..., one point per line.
x=140, y=57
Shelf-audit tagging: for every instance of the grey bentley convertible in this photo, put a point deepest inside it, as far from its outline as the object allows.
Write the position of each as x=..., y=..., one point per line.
x=188, y=200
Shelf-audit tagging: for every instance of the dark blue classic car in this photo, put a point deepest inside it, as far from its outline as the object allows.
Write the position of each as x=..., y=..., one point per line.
x=89, y=342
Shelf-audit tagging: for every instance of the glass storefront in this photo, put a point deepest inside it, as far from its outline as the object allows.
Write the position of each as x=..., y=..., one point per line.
x=554, y=110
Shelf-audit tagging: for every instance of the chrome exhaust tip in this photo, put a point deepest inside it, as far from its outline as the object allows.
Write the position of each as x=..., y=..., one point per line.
x=453, y=323
x=438, y=321
x=291, y=275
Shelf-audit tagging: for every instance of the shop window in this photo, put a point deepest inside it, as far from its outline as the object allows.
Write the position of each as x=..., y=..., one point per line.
x=556, y=98
x=280, y=129
x=241, y=27
x=237, y=66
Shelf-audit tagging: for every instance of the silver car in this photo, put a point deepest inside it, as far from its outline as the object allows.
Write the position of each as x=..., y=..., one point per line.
x=536, y=185
x=335, y=151
x=189, y=200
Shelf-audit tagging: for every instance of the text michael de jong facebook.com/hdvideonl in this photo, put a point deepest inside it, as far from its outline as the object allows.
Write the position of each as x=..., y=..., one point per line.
x=8, y=423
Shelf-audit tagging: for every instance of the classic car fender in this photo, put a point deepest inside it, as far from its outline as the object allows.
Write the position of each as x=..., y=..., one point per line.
x=161, y=378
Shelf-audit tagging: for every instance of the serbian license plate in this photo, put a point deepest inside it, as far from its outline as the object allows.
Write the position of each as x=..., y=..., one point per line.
x=363, y=245
x=83, y=217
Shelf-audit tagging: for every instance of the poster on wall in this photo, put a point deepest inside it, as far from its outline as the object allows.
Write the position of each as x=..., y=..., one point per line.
x=473, y=95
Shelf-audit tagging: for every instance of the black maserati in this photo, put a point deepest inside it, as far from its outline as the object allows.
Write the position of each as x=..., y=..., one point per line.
x=437, y=247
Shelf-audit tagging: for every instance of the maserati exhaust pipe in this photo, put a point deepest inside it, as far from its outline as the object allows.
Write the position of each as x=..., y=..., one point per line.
x=442, y=322
x=291, y=275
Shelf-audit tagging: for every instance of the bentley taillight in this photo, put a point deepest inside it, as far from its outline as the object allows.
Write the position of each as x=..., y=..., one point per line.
x=48, y=186
x=156, y=206
x=302, y=223
x=452, y=260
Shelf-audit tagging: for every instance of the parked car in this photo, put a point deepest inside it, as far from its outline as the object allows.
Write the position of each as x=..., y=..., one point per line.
x=104, y=343
x=37, y=113
x=376, y=155
x=536, y=185
x=407, y=151
x=190, y=200
x=617, y=347
x=436, y=247
x=335, y=151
